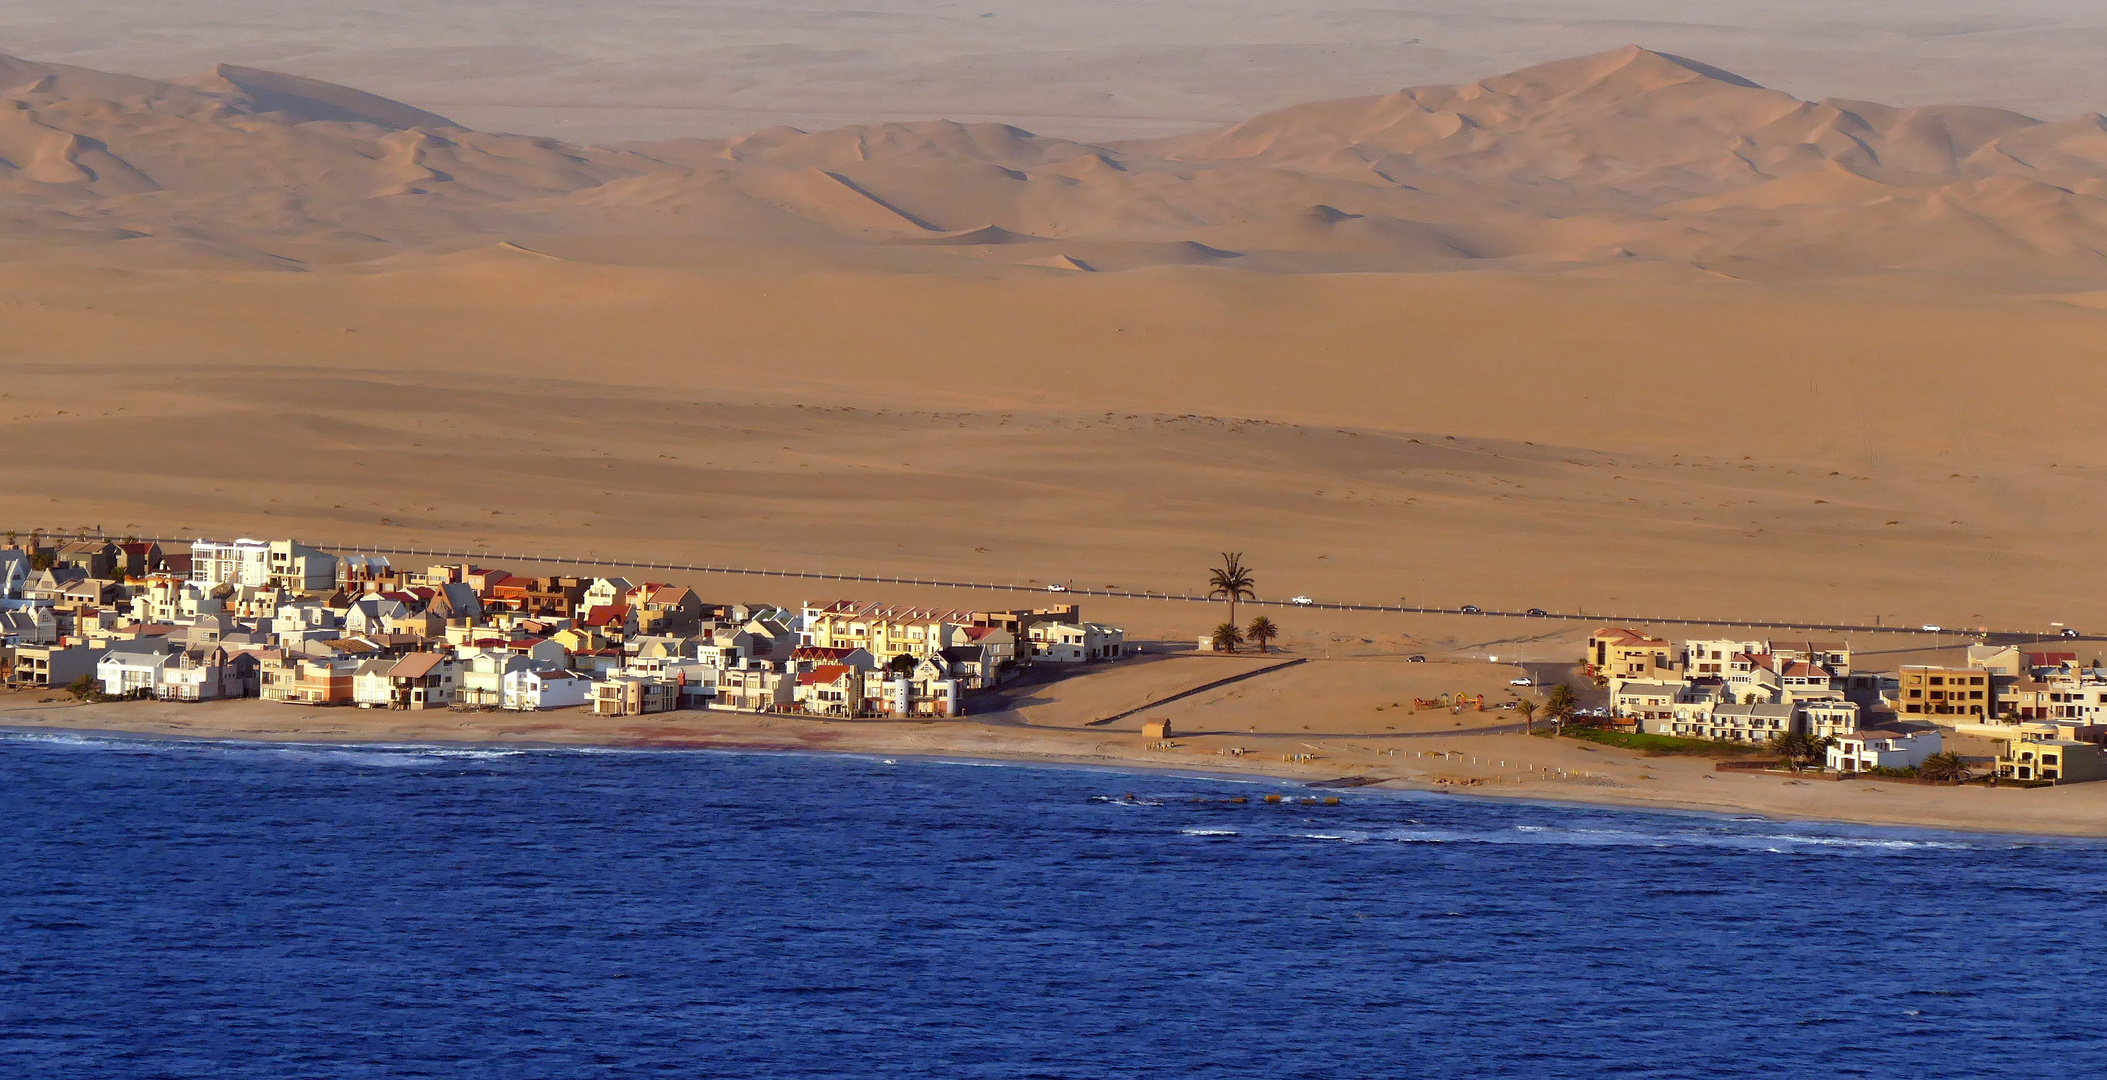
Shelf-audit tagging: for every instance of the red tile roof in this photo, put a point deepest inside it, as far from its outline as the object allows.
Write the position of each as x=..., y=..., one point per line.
x=823, y=674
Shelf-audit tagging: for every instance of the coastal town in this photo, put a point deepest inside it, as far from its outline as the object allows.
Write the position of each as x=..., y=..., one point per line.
x=286, y=622
x=2045, y=711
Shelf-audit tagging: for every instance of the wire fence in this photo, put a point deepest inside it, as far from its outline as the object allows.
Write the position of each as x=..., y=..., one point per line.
x=591, y=560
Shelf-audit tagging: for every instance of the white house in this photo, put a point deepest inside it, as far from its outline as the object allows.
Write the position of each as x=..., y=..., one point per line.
x=605, y=592
x=285, y=563
x=370, y=688
x=1826, y=718
x=29, y=626
x=1883, y=748
x=14, y=573
x=297, y=624
x=200, y=675
x=134, y=667
x=1704, y=658
x=527, y=689
x=482, y=676
x=1075, y=643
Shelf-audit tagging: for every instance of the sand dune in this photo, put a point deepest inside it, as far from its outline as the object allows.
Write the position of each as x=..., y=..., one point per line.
x=1594, y=161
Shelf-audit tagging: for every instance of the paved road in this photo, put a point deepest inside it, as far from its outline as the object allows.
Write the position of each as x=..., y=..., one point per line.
x=1548, y=617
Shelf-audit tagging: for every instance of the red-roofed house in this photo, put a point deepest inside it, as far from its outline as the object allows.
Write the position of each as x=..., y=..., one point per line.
x=831, y=690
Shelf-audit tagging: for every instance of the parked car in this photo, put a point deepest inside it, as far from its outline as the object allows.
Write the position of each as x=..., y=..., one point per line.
x=2071, y=631
x=1523, y=681
x=1473, y=609
x=1303, y=600
x=1538, y=613
x=1416, y=658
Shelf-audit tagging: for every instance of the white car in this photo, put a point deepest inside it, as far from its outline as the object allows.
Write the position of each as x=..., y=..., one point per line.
x=1521, y=682
x=1303, y=600
x=1932, y=628
x=1057, y=588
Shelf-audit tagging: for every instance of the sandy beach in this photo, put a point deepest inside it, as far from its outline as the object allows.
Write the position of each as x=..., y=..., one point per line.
x=1364, y=732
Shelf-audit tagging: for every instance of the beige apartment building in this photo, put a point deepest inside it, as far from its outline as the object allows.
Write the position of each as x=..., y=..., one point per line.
x=2058, y=757
x=1618, y=652
x=1926, y=692
x=885, y=630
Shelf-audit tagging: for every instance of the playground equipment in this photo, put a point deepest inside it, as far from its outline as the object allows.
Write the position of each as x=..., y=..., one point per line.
x=1455, y=703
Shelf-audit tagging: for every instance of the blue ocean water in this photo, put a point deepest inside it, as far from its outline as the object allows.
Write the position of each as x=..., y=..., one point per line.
x=177, y=909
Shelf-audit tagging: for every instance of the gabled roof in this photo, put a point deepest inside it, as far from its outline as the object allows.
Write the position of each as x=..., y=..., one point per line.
x=896, y=613
x=416, y=665
x=1624, y=635
x=825, y=673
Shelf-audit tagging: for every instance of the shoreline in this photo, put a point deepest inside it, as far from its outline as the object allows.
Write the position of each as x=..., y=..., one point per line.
x=1050, y=748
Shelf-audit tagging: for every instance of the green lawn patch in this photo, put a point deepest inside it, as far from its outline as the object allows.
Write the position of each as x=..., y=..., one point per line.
x=1665, y=745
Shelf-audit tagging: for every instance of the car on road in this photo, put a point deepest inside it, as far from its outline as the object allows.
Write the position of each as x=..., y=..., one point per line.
x=1523, y=681
x=1538, y=613
x=2071, y=631
x=1416, y=658
x=1933, y=628
x=1472, y=609
x=1303, y=600
x=1057, y=588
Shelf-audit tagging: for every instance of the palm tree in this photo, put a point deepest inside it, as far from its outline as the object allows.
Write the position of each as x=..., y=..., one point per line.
x=1559, y=704
x=1261, y=632
x=1227, y=637
x=1949, y=767
x=1231, y=581
x=1528, y=710
x=1795, y=747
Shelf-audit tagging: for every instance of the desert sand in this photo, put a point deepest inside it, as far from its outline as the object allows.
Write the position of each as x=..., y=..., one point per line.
x=1620, y=334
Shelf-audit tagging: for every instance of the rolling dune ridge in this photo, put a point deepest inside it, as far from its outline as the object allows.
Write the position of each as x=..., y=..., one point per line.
x=1624, y=331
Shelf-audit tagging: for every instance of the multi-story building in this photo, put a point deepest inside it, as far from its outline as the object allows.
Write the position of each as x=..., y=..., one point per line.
x=2060, y=757
x=1074, y=643
x=307, y=680
x=1617, y=652
x=53, y=665
x=288, y=564
x=1834, y=655
x=1648, y=703
x=756, y=689
x=884, y=630
x=1825, y=718
x=1926, y=692
x=553, y=596
x=634, y=695
x=1743, y=723
x=1708, y=658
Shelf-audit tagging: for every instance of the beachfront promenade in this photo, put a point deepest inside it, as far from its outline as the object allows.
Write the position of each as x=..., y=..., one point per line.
x=594, y=560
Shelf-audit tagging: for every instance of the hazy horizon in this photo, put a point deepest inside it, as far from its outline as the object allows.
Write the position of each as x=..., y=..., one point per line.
x=1084, y=69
